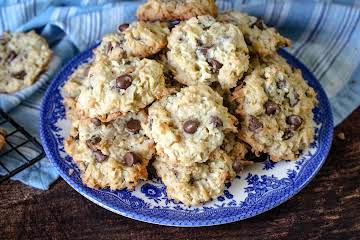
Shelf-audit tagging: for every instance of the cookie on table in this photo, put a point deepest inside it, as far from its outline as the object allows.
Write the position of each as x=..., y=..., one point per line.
x=118, y=87
x=138, y=39
x=203, y=51
x=23, y=56
x=261, y=40
x=2, y=138
x=275, y=106
x=168, y=10
x=198, y=183
x=72, y=88
x=189, y=125
x=111, y=155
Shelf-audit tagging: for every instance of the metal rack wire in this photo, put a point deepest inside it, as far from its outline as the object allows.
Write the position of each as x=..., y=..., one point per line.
x=21, y=148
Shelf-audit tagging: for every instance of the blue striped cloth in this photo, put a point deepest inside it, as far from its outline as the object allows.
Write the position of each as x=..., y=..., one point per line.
x=325, y=37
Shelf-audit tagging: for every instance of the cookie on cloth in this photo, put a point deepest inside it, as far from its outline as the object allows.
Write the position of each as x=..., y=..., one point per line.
x=23, y=56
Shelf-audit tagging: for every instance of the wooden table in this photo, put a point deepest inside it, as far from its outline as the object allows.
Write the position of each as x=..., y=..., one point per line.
x=328, y=208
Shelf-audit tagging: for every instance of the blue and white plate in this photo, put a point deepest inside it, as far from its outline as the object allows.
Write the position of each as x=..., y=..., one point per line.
x=258, y=189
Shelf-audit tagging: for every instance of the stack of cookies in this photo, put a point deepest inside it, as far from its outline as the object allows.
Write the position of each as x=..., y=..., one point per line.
x=194, y=93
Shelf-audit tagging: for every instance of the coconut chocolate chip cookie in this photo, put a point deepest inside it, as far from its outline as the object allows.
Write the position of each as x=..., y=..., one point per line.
x=262, y=40
x=203, y=51
x=118, y=87
x=138, y=39
x=189, y=125
x=23, y=56
x=72, y=88
x=275, y=106
x=114, y=154
x=198, y=183
x=167, y=10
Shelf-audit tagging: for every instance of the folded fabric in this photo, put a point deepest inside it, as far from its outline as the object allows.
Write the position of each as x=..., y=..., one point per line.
x=325, y=37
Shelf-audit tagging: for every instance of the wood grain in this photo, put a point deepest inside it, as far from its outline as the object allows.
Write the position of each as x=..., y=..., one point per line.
x=328, y=208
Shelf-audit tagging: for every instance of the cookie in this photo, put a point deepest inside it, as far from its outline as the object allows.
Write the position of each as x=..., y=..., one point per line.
x=169, y=10
x=118, y=87
x=2, y=138
x=275, y=108
x=189, y=125
x=203, y=51
x=113, y=155
x=72, y=89
x=23, y=56
x=198, y=183
x=138, y=39
x=238, y=151
x=261, y=40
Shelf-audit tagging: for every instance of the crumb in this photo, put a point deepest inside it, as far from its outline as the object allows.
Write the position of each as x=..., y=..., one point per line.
x=341, y=136
x=71, y=171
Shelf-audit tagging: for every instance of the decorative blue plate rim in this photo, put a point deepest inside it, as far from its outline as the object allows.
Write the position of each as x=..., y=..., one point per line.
x=125, y=204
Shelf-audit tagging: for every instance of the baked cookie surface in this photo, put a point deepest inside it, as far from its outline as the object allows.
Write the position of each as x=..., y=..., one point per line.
x=72, y=89
x=262, y=40
x=189, y=125
x=118, y=87
x=203, y=51
x=138, y=39
x=275, y=106
x=113, y=155
x=23, y=56
x=198, y=183
x=167, y=10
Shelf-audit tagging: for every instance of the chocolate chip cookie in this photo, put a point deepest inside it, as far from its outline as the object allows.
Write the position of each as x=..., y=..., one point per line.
x=114, y=154
x=72, y=89
x=198, y=183
x=23, y=56
x=118, y=87
x=138, y=39
x=189, y=125
x=203, y=51
x=275, y=106
x=168, y=10
x=261, y=40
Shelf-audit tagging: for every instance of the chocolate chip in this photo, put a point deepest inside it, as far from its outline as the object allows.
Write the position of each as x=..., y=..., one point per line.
x=173, y=23
x=190, y=126
x=109, y=48
x=237, y=166
x=92, y=142
x=294, y=121
x=133, y=125
x=271, y=107
x=280, y=83
x=19, y=75
x=96, y=121
x=11, y=56
x=254, y=124
x=288, y=133
x=131, y=158
x=216, y=121
x=214, y=64
x=259, y=23
x=123, y=81
x=123, y=27
x=203, y=50
x=99, y=156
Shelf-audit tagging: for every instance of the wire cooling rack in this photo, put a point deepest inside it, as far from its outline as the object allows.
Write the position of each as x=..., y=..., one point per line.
x=20, y=151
